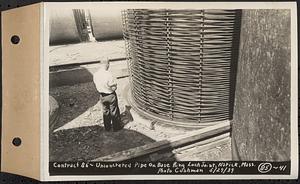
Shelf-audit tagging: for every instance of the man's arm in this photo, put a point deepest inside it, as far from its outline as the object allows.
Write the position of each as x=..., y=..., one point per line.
x=112, y=84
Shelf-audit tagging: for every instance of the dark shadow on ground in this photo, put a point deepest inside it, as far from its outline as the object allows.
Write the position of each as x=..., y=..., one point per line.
x=88, y=143
x=68, y=75
x=126, y=116
x=74, y=101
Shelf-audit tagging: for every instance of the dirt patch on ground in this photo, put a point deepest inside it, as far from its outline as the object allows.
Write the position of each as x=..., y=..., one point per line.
x=87, y=143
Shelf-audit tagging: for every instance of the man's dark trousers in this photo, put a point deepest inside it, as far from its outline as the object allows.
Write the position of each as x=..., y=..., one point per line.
x=111, y=111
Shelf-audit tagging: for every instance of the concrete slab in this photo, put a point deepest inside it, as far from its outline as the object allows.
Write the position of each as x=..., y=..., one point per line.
x=86, y=52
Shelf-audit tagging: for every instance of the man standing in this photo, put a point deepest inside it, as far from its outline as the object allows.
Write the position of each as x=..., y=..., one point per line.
x=106, y=85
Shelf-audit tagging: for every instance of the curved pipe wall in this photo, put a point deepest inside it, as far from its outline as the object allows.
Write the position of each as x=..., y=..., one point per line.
x=63, y=27
x=180, y=62
x=261, y=128
x=106, y=24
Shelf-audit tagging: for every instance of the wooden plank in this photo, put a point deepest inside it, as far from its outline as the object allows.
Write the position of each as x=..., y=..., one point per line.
x=68, y=65
x=81, y=74
x=135, y=152
x=183, y=153
x=201, y=134
x=182, y=140
x=190, y=154
x=205, y=143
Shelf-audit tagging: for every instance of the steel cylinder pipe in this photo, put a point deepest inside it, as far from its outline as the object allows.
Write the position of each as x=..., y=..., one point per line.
x=180, y=62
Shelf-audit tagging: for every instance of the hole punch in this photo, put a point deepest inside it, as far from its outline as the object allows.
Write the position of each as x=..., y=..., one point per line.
x=15, y=39
x=17, y=141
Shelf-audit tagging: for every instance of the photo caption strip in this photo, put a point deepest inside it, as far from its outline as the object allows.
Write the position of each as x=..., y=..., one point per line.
x=169, y=168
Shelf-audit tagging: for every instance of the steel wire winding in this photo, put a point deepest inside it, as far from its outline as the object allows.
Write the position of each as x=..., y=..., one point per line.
x=179, y=62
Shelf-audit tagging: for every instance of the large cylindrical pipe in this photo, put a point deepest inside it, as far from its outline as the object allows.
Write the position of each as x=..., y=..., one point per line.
x=261, y=124
x=106, y=24
x=63, y=27
x=180, y=62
